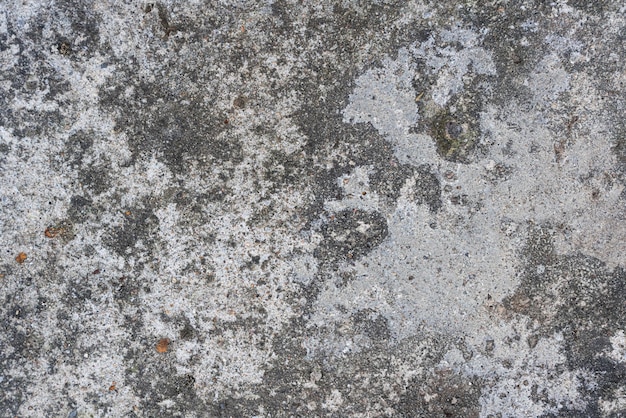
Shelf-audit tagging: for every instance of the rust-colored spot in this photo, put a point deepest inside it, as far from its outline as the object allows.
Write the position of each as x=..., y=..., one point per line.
x=21, y=257
x=127, y=213
x=162, y=345
x=112, y=387
x=52, y=232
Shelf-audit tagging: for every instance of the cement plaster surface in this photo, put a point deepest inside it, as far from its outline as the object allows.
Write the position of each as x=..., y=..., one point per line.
x=312, y=209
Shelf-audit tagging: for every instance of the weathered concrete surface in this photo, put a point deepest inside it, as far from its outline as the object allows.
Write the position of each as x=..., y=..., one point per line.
x=342, y=209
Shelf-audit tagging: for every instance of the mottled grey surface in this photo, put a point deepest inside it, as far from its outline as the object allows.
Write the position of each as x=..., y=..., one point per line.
x=324, y=209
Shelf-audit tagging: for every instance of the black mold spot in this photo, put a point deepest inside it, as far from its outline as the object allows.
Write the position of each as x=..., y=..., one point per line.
x=371, y=15
x=157, y=121
x=282, y=169
x=154, y=380
x=344, y=147
x=139, y=224
x=14, y=392
x=56, y=87
x=85, y=31
x=351, y=234
x=406, y=35
x=597, y=7
x=589, y=310
x=76, y=147
x=187, y=332
x=373, y=325
x=194, y=204
x=126, y=290
x=388, y=181
x=539, y=248
x=457, y=396
x=17, y=333
x=619, y=147
x=500, y=172
x=80, y=208
x=427, y=188
x=281, y=11
x=96, y=178
x=4, y=149
x=78, y=292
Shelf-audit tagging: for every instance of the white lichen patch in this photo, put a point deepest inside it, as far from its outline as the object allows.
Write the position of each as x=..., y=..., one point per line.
x=440, y=269
x=389, y=106
x=453, y=55
x=520, y=379
x=540, y=185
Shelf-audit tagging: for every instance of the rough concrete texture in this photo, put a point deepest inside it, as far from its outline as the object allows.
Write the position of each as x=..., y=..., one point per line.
x=325, y=209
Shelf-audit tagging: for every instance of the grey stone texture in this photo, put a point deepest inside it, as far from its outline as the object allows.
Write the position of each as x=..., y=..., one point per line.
x=312, y=208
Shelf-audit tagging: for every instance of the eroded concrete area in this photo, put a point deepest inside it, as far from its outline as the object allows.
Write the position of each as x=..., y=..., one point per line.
x=286, y=209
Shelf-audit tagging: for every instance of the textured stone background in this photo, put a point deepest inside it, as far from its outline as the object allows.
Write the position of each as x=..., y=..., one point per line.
x=312, y=208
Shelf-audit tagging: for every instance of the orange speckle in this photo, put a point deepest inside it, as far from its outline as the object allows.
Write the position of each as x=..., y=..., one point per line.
x=52, y=231
x=127, y=213
x=21, y=257
x=112, y=387
x=163, y=345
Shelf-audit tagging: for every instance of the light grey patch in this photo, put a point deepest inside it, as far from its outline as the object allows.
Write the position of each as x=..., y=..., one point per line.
x=409, y=277
x=439, y=106
x=548, y=80
x=385, y=97
x=451, y=56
